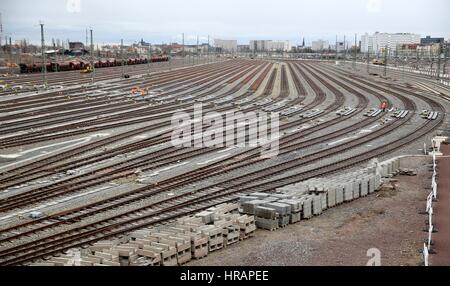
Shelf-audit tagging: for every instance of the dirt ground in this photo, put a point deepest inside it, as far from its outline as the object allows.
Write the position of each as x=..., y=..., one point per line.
x=387, y=220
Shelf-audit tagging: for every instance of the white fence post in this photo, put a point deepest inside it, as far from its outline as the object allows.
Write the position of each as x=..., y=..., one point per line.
x=425, y=255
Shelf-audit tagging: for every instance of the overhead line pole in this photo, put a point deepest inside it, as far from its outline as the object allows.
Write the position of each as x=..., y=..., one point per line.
x=44, y=58
x=184, y=55
x=355, y=52
x=92, y=58
x=121, y=57
x=385, y=60
x=149, y=58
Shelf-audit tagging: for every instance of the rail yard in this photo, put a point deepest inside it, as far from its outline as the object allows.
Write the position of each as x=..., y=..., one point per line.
x=85, y=164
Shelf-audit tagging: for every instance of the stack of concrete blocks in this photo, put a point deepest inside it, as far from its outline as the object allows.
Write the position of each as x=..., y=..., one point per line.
x=214, y=235
x=296, y=209
x=170, y=245
x=231, y=231
x=307, y=203
x=149, y=255
x=177, y=247
x=389, y=168
x=283, y=211
x=247, y=226
x=101, y=253
x=269, y=210
x=56, y=261
x=198, y=243
x=152, y=249
x=266, y=218
x=224, y=219
x=318, y=194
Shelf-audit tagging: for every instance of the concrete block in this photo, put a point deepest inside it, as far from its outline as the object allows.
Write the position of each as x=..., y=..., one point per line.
x=284, y=220
x=296, y=205
x=249, y=207
x=110, y=263
x=268, y=224
x=356, y=189
x=86, y=263
x=371, y=184
x=323, y=198
x=377, y=182
x=169, y=257
x=280, y=208
x=348, y=192
x=260, y=195
x=307, y=208
x=390, y=169
x=331, y=197
x=281, y=196
x=91, y=258
x=206, y=216
x=364, y=186
x=271, y=199
x=384, y=170
x=266, y=212
x=339, y=195
x=295, y=217
x=317, y=204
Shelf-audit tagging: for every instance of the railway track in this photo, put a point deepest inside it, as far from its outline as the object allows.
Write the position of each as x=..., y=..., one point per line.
x=239, y=180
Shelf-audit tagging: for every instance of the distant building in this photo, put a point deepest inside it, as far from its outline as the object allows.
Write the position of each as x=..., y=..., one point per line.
x=260, y=45
x=226, y=45
x=320, y=45
x=428, y=40
x=279, y=46
x=243, y=48
x=379, y=41
x=268, y=45
x=76, y=46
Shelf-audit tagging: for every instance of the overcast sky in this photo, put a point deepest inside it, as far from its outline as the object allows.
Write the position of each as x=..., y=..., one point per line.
x=165, y=20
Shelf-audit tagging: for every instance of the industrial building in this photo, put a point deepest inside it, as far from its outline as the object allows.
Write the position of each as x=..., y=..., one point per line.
x=379, y=41
x=226, y=45
x=269, y=46
x=429, y=40
x=320, y=45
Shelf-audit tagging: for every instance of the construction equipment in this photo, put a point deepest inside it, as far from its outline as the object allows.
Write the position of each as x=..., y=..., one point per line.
x=87, y=69
x=378, y=62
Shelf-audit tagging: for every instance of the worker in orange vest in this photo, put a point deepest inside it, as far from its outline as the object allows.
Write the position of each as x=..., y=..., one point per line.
x=143, y=92
x=384, y=106
x=132, y=91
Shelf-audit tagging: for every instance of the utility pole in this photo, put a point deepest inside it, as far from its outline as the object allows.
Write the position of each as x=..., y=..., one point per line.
x=336, y=47
x=184, y=55
x=197, y=51
x=355, y=52
x=44, y=59
x=445, y=59
x=207, y=55
x=385, y=60
x=345, y=50
x=86, y=37
x=368, y=60
x=1, y=33
x=149, y=58
x=92, y=57
x=121, y=57
x=438, y=74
